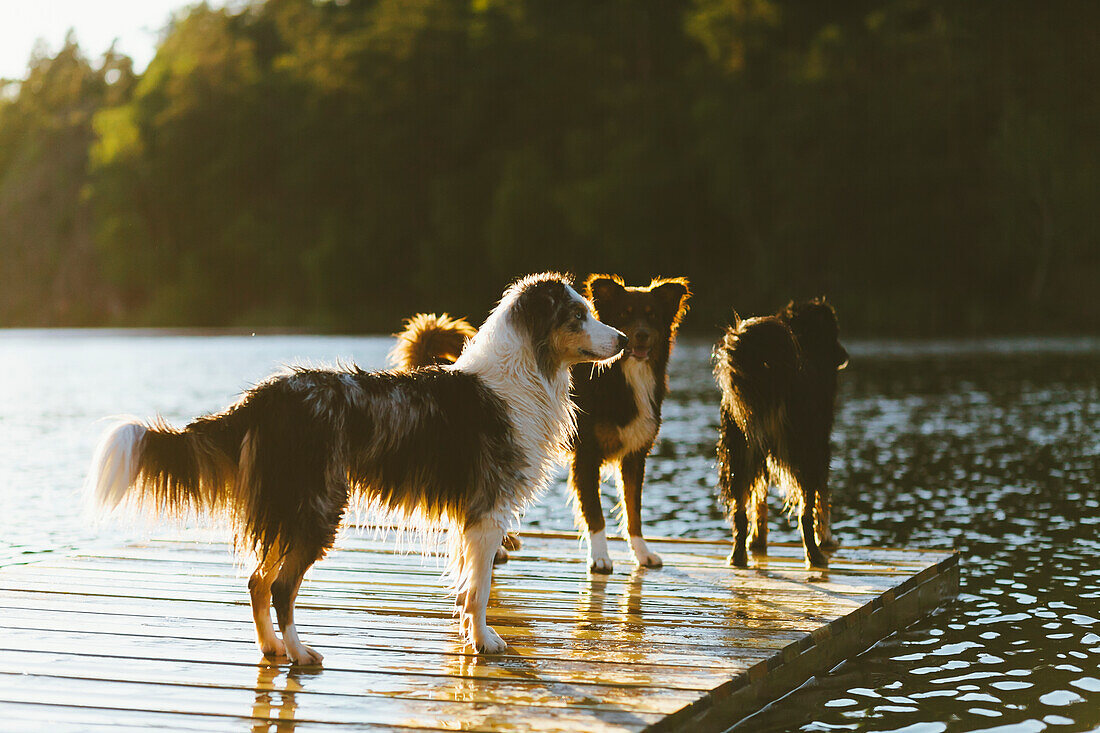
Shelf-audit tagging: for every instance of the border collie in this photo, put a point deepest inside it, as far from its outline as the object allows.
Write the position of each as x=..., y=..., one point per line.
x=619, y=402
x=465, y=446
x=778, y=379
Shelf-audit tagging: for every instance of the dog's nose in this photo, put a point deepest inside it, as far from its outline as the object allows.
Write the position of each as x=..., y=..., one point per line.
x=623, y=341
x=641, y=337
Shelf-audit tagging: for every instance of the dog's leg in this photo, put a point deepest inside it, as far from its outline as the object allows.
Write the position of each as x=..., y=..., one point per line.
x=808, y=482
x=632, y=474
x=809, y=464
x=479, y=544
x=259, y=588
x=814, y=557
x=823, y=520
x=738, y=469
x=283, y=592
x=584, y=479
x=758, y=545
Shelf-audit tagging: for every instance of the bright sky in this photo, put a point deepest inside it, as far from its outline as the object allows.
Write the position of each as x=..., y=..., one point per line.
x=135, y=23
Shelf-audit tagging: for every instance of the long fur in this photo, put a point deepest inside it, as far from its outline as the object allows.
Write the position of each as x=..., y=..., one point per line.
x=619, y=401
x=465, y=446
x=778, y=376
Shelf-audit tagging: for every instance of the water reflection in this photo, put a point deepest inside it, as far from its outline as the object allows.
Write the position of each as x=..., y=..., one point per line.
x=276, y=705
x=613, y=620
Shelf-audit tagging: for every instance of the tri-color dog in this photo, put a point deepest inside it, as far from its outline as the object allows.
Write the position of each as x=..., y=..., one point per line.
x=465, y=446
x=619, y=402
x=778, y=376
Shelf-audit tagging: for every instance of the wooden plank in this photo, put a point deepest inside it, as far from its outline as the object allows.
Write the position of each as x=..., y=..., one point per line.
x=366, y=684
x=758, y=615
x=639, y=652
x=579, y=635
x=292, y=703
x=158, y=634
x=765, y=601
x=381, y=659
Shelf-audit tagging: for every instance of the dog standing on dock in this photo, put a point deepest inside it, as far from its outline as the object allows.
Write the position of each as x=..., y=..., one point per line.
x=778, y=376
x=618, y=403
x=465, y=446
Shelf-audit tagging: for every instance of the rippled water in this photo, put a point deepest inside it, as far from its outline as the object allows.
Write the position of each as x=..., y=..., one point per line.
x=992, y=448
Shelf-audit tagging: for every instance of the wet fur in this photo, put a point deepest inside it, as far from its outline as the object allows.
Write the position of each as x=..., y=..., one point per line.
x=778, y=376
x=619, y=402
x=465, y=446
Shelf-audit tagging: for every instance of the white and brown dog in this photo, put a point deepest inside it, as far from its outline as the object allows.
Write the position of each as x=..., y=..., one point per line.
x=465, y=446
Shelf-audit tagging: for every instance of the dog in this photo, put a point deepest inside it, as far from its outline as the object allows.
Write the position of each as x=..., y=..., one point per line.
x=465, y=446
x=618, y=402
x=778, y=376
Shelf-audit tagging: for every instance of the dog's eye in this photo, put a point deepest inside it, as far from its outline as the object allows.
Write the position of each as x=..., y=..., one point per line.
x=579, y=315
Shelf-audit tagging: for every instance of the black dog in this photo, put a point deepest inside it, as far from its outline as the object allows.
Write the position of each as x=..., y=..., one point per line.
x=778, y=380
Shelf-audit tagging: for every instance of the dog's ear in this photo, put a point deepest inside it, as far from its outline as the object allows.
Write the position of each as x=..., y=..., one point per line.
x=603, y=288
x=673, y=294
x=538, y=302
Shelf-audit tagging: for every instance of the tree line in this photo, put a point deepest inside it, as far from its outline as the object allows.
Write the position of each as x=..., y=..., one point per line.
x=932, y=166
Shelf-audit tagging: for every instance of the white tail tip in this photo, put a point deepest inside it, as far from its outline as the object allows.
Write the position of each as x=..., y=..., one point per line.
x=114, y=466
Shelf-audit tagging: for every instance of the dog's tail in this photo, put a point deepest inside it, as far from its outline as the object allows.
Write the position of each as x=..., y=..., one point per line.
x=170, y=472
x=758, y=359
x=430, y=340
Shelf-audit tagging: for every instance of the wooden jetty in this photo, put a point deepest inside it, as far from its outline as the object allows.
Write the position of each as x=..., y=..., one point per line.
x=158, y=635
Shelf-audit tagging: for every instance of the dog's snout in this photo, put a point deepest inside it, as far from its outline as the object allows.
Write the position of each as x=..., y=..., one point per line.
x=623, y=340
x=641, y=336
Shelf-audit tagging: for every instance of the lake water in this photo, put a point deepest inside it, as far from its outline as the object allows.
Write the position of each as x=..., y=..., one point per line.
x=992, y=448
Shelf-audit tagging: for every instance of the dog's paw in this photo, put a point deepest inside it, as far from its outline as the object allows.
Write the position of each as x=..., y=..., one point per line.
x=816, y=562
x=485, y=640
x=303, y=655
x=643, y=556
x=602, y=565
x=501, y=556
x=738, y=559
x=273, y=648
x=512, y=542
x=599, y=557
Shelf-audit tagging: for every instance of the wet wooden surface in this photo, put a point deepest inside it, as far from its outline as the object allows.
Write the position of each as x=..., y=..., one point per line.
x=159, y=635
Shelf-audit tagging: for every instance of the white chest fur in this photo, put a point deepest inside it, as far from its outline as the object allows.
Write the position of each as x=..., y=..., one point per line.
x=640, y=431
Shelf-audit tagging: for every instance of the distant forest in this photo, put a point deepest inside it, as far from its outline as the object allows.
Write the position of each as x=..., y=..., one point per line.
x=933, y=166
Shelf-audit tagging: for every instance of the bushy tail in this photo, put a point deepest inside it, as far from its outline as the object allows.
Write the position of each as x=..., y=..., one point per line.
x=758, y=359
x=171, y=472
x=430, y=340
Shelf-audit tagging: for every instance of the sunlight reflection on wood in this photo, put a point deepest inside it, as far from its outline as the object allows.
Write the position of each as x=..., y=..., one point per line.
x=158, y=634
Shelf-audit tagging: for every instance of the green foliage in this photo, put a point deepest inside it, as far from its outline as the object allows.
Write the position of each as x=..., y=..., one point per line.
x=338, y=165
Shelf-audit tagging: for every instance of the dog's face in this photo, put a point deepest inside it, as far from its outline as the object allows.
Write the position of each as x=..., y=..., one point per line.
x=562, y=324
x=813, y=323
x=649, y=316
